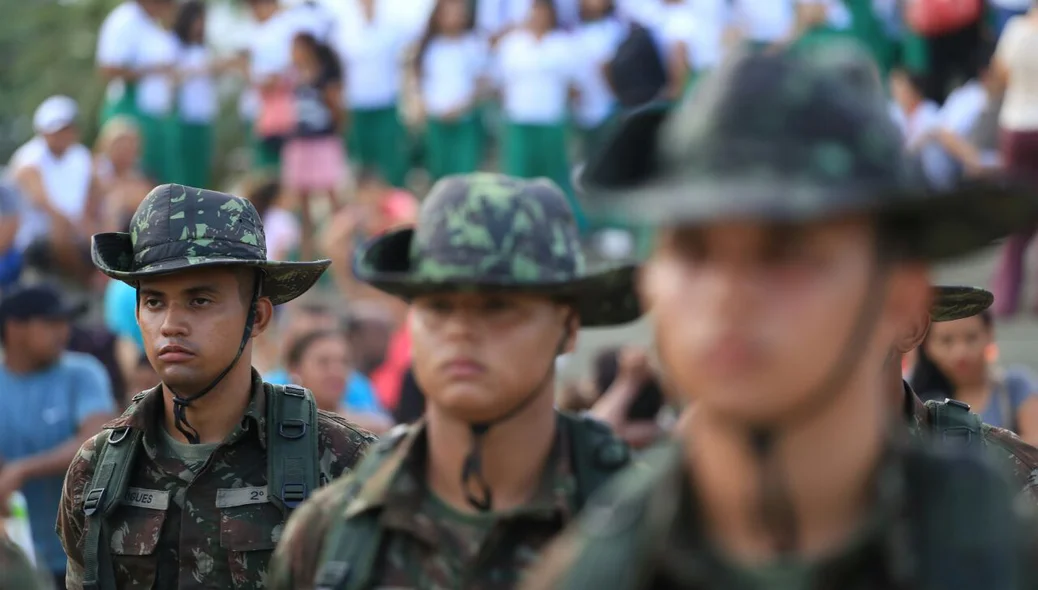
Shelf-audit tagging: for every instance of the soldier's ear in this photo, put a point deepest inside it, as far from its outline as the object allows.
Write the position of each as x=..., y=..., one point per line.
x=263, y=317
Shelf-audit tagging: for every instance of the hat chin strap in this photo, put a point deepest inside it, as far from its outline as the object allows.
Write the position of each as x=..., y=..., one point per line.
x=475, y=486
x=778, y=512
x=181, y=403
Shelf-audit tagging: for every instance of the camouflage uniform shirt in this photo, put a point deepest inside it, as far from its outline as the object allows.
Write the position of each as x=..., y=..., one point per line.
x=198, y=532
x=420, y=548
x=938, y=521
x=1003, y=445
x=16, y=572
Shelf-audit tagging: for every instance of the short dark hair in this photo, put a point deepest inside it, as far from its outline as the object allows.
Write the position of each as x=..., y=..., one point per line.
x=304, y=342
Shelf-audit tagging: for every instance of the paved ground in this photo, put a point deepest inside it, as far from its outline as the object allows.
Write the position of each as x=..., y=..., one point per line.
x=1018, y=339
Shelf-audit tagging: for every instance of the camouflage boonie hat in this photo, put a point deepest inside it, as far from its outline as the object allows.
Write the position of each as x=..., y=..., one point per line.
x=791, y=137
x=956, y=303
x=491, y=232
x=178, y=228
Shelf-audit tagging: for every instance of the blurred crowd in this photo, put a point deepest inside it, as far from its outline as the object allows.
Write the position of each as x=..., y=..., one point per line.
x=353, y=111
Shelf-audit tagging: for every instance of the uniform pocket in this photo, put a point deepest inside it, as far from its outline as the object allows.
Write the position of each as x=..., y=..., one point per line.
x=133, y=537
x=249, y=535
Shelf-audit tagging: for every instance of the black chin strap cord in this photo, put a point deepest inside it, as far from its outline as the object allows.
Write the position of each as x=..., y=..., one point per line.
x=181, y=403
x=778, y=512
x=477, y=490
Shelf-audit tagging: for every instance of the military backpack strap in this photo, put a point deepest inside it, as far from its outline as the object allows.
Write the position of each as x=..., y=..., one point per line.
x=954, y=423
x=597, y=453
x=293, y=458
x=104, y=494
x=351, y=545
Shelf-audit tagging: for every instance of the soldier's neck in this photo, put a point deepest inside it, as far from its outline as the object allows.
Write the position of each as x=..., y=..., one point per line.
x=215, y=415
x=827, y=465
x=514, y=454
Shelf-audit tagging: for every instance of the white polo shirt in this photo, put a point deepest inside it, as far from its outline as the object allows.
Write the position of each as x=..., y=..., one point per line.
x=197, y=100
x=765, y=21
x=596, y=43
x=535, y=75
x=372, y=53
x=119, y=40
x=66, y=181
x=451, y=70
x=155, y=92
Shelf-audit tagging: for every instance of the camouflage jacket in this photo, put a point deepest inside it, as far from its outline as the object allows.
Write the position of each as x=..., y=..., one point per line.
x=1005, y=447
x=202, y=535
x=16, y=572
x=419, y=549
x=939, y=521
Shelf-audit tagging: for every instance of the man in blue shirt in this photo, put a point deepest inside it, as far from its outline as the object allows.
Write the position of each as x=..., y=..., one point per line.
x=51, y=401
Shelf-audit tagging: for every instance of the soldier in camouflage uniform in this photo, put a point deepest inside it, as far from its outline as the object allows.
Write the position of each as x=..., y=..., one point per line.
x=191, y=487
x=794, y=237
x=16, y=572
x=952, y=421
x=498, y=289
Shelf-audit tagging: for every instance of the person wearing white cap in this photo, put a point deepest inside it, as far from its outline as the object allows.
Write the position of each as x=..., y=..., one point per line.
x=55, y=173
x=119, y=50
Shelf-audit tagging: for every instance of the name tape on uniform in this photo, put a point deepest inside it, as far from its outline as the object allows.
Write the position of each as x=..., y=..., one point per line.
x=230, y=497
x=142, y=498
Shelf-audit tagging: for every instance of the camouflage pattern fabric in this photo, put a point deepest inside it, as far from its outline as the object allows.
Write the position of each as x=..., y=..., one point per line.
x=16, y=572
x=494, y=232
x=178, y=227
x=1004, y=447
x=217, y=532
x=956, y=303
x=421, y=549
x=817, y=148
x=645, y=532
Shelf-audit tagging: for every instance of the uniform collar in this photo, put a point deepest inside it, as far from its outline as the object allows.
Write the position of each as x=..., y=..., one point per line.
x=397, y=485
x=916, y=415
x=146, y=410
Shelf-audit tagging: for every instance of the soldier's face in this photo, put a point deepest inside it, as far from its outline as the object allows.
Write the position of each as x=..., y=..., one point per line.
x=192, y=323
x=751, y=318
x=477, y=356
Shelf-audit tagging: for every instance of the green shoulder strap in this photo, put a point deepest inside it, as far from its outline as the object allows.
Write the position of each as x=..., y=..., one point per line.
x=954, y=423
x=293, y=459
x=597, y=453
x=104, y=494
x=351, y=545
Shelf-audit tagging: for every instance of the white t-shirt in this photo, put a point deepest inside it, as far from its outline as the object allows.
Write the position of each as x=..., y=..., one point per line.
x=314, y=18
x=963, y=107
x=699, y=26
x=1018, y=51
x=66, y=181
x=155, y=92
x=270, y=46
x=451, y=69
x=764, y=20
x=936, y=166
x=596, y=43
x=372, y=53
x=119, y=39
x=281, y=229
x=197, y=101
x=535, y=75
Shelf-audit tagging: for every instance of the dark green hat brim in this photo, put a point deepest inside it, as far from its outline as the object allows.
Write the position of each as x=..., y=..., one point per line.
x=605, y=298
x=112, y=253
x=956, y=303
x=620, y=181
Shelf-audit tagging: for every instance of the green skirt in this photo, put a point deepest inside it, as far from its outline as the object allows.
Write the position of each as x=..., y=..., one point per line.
x=533, y=151
x=266, y=152
x=195, y=149
x=377, y=139
x=160, y=154
x=453, y=147
x=125, y=104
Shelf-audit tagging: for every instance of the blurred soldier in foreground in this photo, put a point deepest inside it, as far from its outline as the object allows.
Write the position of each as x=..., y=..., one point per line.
x=793, y=249
x=468, y=496
x=191, y=487
x=16, y=571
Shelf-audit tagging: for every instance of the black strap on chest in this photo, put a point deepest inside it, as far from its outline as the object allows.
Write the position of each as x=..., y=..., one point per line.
x=293, y=462
x=103, y=495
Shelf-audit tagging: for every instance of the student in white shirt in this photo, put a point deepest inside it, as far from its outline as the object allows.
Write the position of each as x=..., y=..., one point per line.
x=764, y=23
x=920, y=118
x=597, y=38
x=372, y=48
x=536, y=69
x=197, y=102
x=55, y=173
x=159, y=51
x=450, y=66
x=118, y=47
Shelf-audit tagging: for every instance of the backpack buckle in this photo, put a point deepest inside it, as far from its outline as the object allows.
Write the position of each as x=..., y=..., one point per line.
x=117, y=435
x=93, y=501
x=292, y=429
x=296, y=391
x=957, y=403
x=293, y=494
